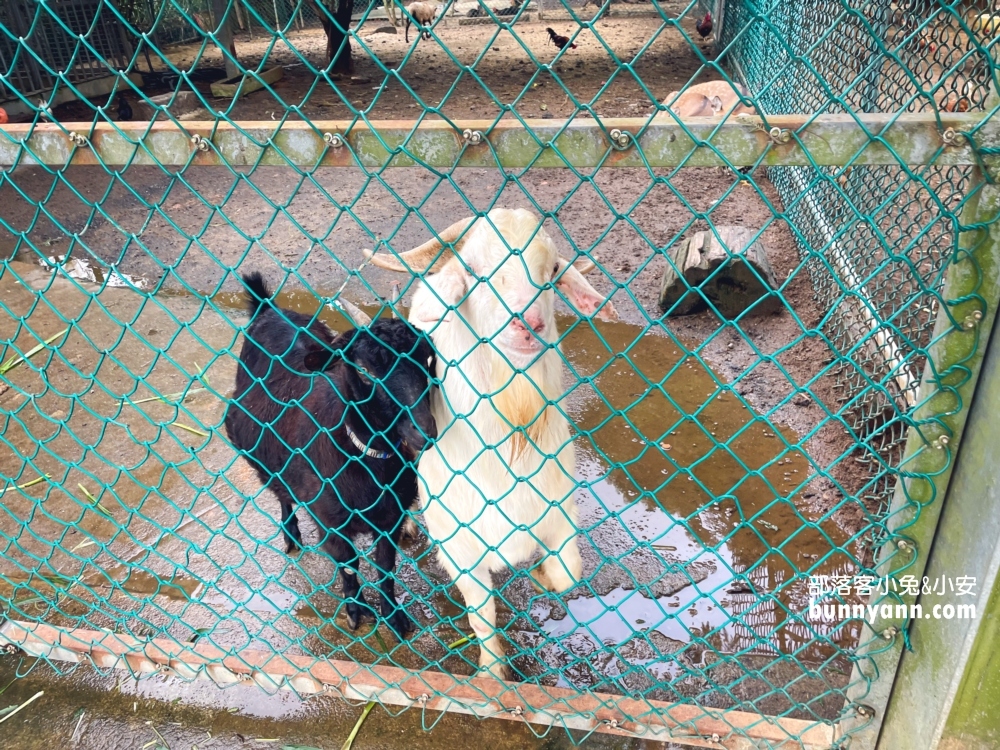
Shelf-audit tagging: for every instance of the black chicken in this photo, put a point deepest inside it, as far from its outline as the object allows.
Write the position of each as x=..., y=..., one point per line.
x=124, y=109
x=704, y=26
x=558, y=40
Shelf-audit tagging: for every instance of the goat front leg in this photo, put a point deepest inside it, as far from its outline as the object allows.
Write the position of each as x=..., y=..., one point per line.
x=385, y=563
x=477, y=589
x=289, y=521
x=290, y=528
x=343, y=551
x=561, y=565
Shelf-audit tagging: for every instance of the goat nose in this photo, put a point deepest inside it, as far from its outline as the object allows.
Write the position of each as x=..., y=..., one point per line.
x=534, y=319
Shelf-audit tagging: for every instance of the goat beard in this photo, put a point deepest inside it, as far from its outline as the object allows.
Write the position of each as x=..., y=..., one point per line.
x=520, y=401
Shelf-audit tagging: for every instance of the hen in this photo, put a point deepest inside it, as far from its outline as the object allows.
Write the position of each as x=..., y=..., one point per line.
x=704, y=26
x=558, y=40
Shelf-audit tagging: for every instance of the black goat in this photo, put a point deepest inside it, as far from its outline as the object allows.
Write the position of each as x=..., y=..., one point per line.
x=323, y=421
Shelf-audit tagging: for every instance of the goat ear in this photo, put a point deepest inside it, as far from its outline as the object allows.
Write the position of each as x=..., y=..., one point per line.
x=322, y=357
x=432, y=300
x=320, y=360
x=585, y=300
x=716, y=103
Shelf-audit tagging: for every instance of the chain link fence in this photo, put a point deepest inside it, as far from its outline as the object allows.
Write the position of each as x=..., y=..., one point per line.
x=662, y=583
x=876, y=230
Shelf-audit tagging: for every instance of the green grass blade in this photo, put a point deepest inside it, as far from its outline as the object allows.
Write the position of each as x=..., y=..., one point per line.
x=13, y=362
x=32, y=483
x=357, y=727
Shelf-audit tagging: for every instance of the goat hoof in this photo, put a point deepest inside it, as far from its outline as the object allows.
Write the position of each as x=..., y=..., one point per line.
x=541, y=582
x=356, y=613
x=409, y=530
x=498, y=672
x=292, y=548
x=401, y=623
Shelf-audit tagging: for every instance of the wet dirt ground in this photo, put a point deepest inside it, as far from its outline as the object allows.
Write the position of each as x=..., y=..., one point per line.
x=196, y=232
x=85, y=711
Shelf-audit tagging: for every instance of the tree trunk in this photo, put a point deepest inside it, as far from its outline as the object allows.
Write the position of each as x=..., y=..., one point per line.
x=338, y=46
x=734, y=281
x=224, y=34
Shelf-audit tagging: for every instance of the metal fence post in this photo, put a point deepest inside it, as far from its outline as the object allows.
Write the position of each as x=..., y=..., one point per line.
x=941, y=678
x=949, y=382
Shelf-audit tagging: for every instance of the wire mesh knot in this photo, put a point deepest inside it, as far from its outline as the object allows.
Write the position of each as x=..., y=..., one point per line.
x=78, y=139
x=334, y=140
x=199, y=143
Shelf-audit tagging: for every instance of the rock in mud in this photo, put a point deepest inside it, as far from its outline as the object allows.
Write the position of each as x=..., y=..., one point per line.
x=652, y=577
x=735, y=281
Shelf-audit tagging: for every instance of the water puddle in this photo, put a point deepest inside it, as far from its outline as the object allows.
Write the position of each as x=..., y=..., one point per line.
x=697, y=500
x=133, y=582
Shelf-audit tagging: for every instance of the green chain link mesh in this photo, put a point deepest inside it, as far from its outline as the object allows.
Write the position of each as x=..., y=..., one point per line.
x=721, y=463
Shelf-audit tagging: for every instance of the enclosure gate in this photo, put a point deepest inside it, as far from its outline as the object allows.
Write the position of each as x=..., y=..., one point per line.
x=734, y=475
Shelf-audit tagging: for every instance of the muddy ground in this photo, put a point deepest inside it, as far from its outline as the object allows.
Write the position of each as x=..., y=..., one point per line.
x=85, y=711
x=197, y=233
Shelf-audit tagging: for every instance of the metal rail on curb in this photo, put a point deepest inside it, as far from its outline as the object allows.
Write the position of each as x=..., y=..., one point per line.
x=663, y=141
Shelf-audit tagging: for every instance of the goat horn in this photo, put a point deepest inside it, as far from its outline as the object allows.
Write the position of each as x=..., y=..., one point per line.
x=360, y=318
x=419, y=259
x=584, y=265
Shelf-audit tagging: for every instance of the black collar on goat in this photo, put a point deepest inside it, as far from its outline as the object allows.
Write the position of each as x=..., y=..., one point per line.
x=300, y=392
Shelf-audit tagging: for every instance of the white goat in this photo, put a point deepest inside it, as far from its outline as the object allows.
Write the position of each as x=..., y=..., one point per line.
x=497, y=485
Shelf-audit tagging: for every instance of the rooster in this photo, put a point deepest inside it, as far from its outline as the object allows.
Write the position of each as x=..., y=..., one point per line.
x=559, y=41
x=704, y=26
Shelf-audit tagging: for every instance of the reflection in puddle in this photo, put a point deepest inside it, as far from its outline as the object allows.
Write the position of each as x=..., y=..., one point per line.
x=143, y=584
